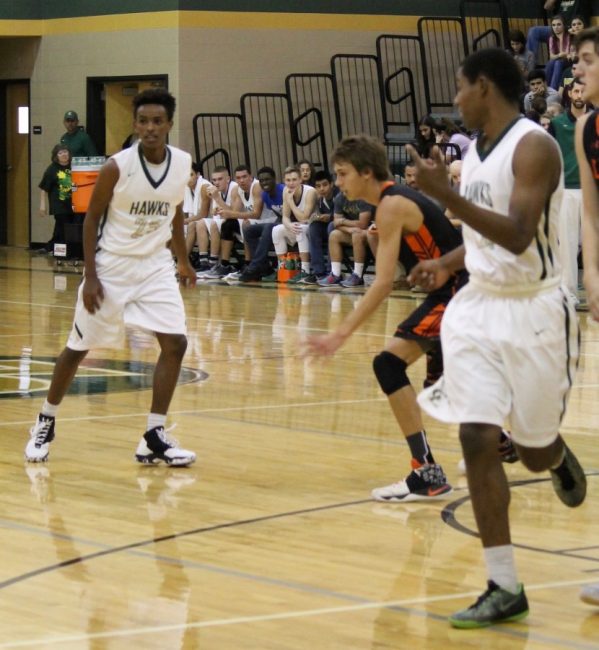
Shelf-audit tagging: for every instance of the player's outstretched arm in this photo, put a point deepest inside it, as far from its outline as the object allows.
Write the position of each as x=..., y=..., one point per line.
x=392, y=214
x=536, y=166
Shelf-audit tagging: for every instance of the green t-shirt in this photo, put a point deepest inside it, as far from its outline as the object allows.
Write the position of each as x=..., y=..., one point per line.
x=562, y=128
x=79, y=144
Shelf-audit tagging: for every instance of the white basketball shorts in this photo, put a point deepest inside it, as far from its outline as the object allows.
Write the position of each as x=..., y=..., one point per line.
x=141, y=292
x=507, y=359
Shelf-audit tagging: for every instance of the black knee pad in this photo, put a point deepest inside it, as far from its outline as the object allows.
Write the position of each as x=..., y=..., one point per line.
x=390, y=371
x=229, y=229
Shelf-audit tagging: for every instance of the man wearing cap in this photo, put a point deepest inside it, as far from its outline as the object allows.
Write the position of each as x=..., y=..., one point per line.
x=77, y=140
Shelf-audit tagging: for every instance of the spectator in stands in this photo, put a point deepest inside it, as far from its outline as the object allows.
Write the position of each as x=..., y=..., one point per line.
x=221, y=192
x=562, y=129
x=245, y=210
x=259, y=235
x=299, y=202
x=567, y=81
x=569, y=9
x=449, y=133
x=307, y=171
x=538, y=104
x=537, y=83
x=55, y=196
x=545, y=121
x=321, y=225
x=559, y=49
x=425, y=139
x=554, y=109
x=351, y=220
x=525, y=58
x=577, y=24
x=409, y=175
x=76, y=139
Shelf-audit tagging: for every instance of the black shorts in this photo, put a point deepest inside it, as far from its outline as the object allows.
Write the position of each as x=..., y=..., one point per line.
x=424, y=323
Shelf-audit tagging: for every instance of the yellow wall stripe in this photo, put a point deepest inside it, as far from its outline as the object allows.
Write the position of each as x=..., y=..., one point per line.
x=209, y=19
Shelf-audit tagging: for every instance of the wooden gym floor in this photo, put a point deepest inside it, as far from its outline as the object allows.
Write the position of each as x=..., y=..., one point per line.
x=270, y=541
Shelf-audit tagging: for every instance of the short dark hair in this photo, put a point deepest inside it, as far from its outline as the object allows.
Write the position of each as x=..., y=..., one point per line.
x=323, y=175
x=266, y=170
x=589, y=34
x=539, y=104
x=516, y=35
x=242, y=168
x=195, y=168
x=59, y=147
x=538, y=73
x=499, y=67
x=220, y=168
x=365, y=153
x=160, y=96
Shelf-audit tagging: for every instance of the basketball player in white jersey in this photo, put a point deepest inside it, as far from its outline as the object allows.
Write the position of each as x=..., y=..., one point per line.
x=221, y=192
x=246, y=211
x=200, y=205
x=510, y=337
x=129, y=279
x=299, y=202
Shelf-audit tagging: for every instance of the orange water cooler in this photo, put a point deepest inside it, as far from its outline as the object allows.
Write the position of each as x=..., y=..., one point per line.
x=84, y=174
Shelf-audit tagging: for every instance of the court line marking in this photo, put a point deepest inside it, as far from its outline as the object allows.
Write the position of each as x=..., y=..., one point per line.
x=227, y=409
x=306, y=613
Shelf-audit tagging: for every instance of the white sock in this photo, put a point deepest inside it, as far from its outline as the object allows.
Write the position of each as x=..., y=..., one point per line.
x=359, y=269
x=501, y=567
x=306, y=267
x=156, y=420
x=48, y=409
x=336, y=268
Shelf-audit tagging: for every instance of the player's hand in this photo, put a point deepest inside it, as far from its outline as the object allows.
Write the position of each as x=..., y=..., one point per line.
x=92, y=294
x=431, y=173
x=429, y=274
x=43, y=212
x=323, y=345
x=187, y=274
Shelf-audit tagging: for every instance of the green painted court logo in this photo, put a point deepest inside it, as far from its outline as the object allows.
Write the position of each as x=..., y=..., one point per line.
x=28, y=376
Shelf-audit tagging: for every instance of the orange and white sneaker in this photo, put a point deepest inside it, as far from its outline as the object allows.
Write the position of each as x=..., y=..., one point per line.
x=424, y=483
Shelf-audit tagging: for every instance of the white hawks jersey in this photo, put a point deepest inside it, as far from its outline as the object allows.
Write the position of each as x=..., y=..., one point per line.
x=248, y=202
x=141, y=210
x=307, y=191
x=226, y=196
x=488, y=181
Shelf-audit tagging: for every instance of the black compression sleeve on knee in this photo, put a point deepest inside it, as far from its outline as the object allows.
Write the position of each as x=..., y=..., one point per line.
x=390, y=371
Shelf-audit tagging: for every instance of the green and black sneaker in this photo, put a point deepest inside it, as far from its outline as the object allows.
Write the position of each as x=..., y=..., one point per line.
x=496, y=605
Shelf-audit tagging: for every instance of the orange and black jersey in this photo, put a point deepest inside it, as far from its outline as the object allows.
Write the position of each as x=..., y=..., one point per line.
x=435, y=237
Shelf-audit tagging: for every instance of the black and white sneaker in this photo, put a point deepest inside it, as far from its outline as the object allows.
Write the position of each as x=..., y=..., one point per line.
x=219, y=271
x=156, y=446
x=42, y=434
